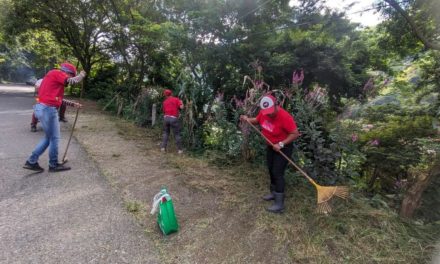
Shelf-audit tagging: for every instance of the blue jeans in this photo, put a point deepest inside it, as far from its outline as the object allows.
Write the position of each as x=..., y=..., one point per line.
x=48, y=116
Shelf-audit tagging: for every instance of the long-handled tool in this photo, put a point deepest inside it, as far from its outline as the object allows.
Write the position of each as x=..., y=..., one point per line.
x=325, y=193
x=64, y=160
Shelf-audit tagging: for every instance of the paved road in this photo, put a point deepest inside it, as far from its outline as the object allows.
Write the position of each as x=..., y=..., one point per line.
x=65, y=217
x=436, y=257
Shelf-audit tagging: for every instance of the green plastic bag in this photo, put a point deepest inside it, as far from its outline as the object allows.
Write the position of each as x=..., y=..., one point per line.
x=166, y=218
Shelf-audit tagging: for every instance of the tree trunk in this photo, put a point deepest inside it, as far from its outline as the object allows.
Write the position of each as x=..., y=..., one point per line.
x=413, y=196
x=373, y=179
x=153, y=115
x=245, y=148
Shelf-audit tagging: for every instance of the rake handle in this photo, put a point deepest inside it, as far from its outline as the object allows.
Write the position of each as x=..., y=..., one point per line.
x=71, y=133
x=73, y=127
x=285, y=156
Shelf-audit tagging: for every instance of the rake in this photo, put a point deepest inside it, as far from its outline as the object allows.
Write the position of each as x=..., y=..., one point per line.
x=324, y=193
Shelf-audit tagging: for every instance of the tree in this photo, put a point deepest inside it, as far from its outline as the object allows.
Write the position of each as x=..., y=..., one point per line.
x=422, y=18
x=78, y=25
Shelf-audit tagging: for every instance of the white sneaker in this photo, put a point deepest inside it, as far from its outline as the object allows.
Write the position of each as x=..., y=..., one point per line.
x=162, y=149
x=180, y=151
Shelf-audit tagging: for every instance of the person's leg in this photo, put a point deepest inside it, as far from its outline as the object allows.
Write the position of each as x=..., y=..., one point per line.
x=41, y=113
x=270, y=155
x=53, y=133
x=175, y=124
x=62, y=112
x=279, y=167
x=166, y=133
x=269, y=160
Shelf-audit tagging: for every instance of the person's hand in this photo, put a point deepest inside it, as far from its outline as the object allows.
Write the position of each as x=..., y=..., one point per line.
x=244, y=118
x=83, y=73
x=78, y=105
x=276, y=147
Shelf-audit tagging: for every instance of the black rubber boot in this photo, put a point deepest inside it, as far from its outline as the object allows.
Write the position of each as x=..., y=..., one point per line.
x=270, y=196
x=278, y=205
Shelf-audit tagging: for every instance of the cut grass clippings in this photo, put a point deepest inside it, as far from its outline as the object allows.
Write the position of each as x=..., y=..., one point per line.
x=221, y=214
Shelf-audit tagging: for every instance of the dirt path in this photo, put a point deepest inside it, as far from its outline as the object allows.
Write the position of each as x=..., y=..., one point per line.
x=130, y=158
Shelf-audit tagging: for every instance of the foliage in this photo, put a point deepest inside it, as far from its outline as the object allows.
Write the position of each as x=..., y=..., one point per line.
x=195, y=95
x=222, y=137
x=316, y=151
x=392, y=148
x=132, y=50
x=420, y=19
x=104, y=83
x=344, y=133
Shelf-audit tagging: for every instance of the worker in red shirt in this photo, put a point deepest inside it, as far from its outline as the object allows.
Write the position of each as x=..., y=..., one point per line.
x=61, y=110
x=50, y=98
x=171, y=106
x=279, y=127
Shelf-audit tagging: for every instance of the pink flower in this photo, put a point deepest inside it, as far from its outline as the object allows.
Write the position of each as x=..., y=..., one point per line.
x=258, y=84
x=298, y=76
x=354, y=137
x=374, y=142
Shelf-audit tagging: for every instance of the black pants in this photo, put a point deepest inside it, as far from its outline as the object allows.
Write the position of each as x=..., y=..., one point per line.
x=277, y=164
x=174, y=124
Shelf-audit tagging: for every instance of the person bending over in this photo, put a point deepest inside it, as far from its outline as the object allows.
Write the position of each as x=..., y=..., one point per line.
x=50, y=98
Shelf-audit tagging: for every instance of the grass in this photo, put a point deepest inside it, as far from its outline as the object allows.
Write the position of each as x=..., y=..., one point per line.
x=136, y=208
x=356, y=232
x=228, y=223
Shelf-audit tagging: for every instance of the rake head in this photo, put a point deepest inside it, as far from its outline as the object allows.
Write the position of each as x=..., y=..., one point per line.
x=325, y=193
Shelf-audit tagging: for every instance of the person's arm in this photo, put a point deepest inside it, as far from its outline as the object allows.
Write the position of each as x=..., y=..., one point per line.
x=251, y=120
x=289, y=139
x=76, y=79
x=72, y=103
x=181, y=105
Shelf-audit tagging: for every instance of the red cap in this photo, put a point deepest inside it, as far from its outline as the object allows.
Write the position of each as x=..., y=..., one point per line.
x=167, y=92
x=267, y=104
x=69, y=68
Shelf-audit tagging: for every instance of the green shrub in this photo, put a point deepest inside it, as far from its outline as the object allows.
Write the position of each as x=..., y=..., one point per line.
x=103, y=84
x=391, y=148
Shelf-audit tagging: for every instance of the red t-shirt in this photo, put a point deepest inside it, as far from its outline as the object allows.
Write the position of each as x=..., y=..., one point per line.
x=171, y=106
x=51, y=91
x=278, y=128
